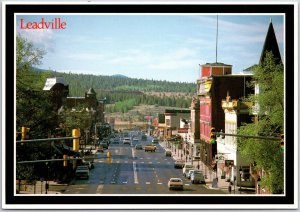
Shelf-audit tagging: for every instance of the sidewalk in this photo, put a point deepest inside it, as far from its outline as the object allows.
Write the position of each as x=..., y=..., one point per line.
x=210, y=176
x=39, y=188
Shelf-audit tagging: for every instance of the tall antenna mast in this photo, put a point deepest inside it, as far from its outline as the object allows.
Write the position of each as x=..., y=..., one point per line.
x=217, y=41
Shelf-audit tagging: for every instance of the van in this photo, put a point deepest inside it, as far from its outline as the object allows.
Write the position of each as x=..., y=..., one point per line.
x=197, y=177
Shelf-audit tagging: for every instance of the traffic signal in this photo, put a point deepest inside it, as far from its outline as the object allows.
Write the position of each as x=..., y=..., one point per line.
x=65, y=160
x=76, y=135
x=282, y=141
x=25, y=131
x=212, y=135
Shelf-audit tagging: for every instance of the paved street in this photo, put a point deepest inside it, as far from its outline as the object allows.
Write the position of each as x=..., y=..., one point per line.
x=131, y=171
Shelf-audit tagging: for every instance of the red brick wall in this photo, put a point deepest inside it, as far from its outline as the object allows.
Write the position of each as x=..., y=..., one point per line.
x=217, y=70
x=205, y=117
x=205, y=72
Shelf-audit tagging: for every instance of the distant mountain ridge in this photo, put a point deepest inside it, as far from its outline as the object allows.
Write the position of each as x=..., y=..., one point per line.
x=119, y=76
x=123, y=93
x=79, y=83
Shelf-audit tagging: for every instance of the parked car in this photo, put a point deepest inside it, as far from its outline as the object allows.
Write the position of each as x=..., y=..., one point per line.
x=155, y=141
x=188, y=175
x=175, y=183
x=197, y=177
x=168, y=153
x=89, y=164
x=138, y=146
x=82, y=172
x=187, y=168
x=179, y=164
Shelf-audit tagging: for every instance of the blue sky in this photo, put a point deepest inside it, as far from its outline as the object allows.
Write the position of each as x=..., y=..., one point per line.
x=160, y=47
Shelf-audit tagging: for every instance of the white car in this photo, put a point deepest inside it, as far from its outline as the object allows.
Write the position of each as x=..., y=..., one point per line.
x=175, y=183
x=187, y=168
x=188, y=175
x=135, y=139
x=126, y=141
x=155, y=140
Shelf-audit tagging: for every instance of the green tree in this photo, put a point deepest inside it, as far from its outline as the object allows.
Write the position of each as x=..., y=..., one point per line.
x=265, y=153
x=33, y=107
x=79, y=119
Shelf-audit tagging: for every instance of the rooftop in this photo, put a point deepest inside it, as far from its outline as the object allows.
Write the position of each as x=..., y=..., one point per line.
x=50, y=82
x=216, y=64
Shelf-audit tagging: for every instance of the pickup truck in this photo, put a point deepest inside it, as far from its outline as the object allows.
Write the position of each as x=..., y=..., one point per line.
x=150, y=148
x=82, y=172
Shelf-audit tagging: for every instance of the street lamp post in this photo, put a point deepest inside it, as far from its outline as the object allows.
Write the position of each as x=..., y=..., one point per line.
x=192, y=153
x=19, y=182
x=185, y=146
x=205, y=163
x=198, y=162
x=47, y=179
x=42, y=180
x=258, y=184
x=217, y=159
x=240, y=171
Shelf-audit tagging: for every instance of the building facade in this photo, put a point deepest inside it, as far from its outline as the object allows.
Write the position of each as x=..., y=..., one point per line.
x=216, y=80
x=229, y=161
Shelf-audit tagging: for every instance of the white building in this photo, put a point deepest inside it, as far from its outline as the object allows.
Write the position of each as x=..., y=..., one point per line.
x=229, y=160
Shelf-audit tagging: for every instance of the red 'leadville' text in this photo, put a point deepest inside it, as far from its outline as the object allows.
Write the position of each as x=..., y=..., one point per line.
x=56, y=23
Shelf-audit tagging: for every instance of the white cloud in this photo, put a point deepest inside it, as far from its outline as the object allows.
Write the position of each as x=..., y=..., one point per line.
x=42, y=38
x=131, y=57
x=85, y=56
x=173, y=59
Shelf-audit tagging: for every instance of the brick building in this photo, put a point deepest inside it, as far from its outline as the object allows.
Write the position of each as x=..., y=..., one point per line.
x=216, y=80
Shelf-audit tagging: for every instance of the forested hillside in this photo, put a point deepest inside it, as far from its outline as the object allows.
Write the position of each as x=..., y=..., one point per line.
x=81, y=82
x=123, y=93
